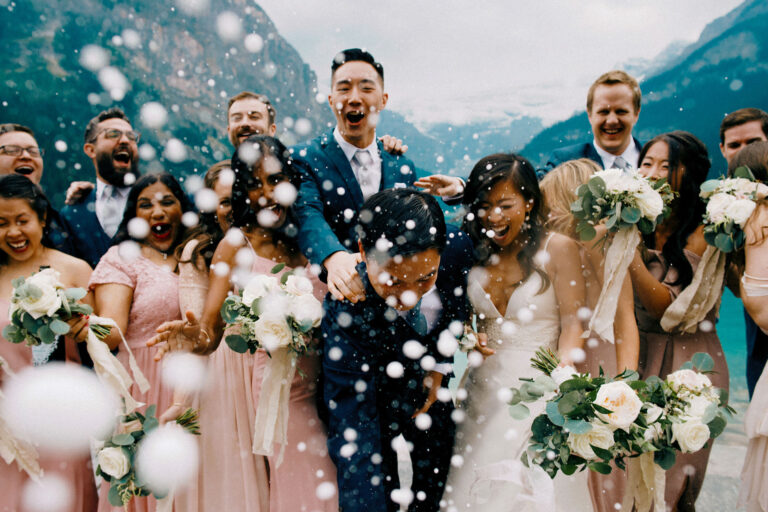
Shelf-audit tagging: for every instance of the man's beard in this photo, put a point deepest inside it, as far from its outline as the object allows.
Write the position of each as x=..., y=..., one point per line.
x=108, y=173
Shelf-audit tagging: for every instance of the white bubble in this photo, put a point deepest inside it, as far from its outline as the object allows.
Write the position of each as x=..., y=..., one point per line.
x=444, y=394
x=504, y=395
x=193, y=6
x=458, y=416
x=52, y=493
x=402, y=497
x=395, y=370
x=59, y=408
x=427, y=363
x=254, y=43
x=138, y=228
x=578, y=355
x=184, y=371
x=114, y=82
x=301, y=447
x=193, y=183
x=320, y=98
x=413, y=349
x=129, y=179
x=335, y=354
x=235, y=237
x=456, y=327
x=221, y=269
x=344, y=319
x=206, y=200
x=226, y=177
x=461, y=394
x=440, y=159
x=325, y=491
x=736, y=85
x=421, y=495
x=551, y=455
x=490, y=233
x=525, y=315
x=347, y=450
x=592, y=343
x=508, y=328
x=175, y=151
x=229, y=26
x=93, y=57
x=128, y=250
x=350, y=435
x=706, y=326
x=285, y=193
x=541, y=258
x=147, y=152
x=410, y=224
x=457, y=461
x=409, y=298
x=244, y=258
x=249, y=152
x=131, y=39
x=447, y=343
x=167, y=458
x=474, y=359
x=153, y=114
x=190, y=219
x=383, y=245
x=270, y=69
x=60, y=145
x=303, y=126
x=361, y=386
x=423, y=421
x=267, y=218
x=584, y=314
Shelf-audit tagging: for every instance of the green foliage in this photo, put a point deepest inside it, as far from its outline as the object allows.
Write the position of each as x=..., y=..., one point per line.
x=237, y=343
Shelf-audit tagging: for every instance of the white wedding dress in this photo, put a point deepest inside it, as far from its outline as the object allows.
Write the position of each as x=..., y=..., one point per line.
x=492, y=478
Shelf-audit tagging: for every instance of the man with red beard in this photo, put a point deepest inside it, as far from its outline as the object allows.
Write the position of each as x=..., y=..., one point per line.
x=111, y=143
x=249, y=114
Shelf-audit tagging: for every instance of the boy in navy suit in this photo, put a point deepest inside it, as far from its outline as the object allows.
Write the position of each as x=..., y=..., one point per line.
x=383, y=374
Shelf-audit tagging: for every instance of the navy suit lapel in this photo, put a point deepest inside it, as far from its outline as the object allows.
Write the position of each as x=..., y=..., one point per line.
x=591, y=153
x=339, y=160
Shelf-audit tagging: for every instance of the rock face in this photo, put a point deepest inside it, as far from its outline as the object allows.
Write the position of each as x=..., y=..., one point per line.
x=191, y=63
x=723, y=71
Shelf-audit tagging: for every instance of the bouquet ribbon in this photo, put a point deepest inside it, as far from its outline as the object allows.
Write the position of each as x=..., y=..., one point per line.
x=646, y=482
x=692, y=305
x=12, y=448
x=617, y=260
x=271, y=424
x=109, y=369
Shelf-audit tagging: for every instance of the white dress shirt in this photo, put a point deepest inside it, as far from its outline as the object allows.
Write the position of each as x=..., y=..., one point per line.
x=110, y=205
x=371, y=183
x=630, y=155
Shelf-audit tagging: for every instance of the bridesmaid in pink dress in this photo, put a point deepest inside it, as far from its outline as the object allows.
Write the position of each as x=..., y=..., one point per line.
x=136, y=284
x=23, y=250
x=268, y=229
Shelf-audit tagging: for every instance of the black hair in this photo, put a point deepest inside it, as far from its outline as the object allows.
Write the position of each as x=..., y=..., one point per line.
x=688, y=167
x=112, y=113
x=409, y=221
x=754, y=156
x=515, y=169
x=356, y=54
x=244, y=214
x=131, y=203
x=16, y=186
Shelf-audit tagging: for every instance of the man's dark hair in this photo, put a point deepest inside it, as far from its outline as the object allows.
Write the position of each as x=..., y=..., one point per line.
x=13, y=127
x=353, y=54
x=112, y=113
x=743, y=116
x=260, y=97
x=407, y=220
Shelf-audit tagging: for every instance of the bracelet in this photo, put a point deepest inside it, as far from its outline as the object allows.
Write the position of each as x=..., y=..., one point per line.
x=207, y=339
x=755, y=278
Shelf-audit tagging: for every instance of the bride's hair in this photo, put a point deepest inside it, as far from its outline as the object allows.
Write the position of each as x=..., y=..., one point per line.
x=16, y=186
x=489, y=171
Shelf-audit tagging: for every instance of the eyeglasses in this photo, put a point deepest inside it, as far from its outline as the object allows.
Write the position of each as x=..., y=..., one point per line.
x=114, y=133
x=14, y=150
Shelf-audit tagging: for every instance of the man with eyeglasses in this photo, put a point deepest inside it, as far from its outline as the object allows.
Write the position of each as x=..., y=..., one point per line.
x=112, y=145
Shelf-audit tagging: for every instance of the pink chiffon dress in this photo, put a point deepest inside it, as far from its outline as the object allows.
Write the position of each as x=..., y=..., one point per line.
x=155, y=300
x=76, y=473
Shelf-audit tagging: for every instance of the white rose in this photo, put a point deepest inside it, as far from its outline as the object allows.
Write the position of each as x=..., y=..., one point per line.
x=47, y=281
x=717, y=205
x=563, y=373
x=298, y=285
x=691, y=435
x=650, y=203
x=617, y=181
x=761, y=191
x=272, y=331
x=652, y=413
x=698, y=406
x=112, y=461
x=600, y=436
x=306, y=307
x=688, y=379
x=258, y=286
x=740, y=210
x=653, y=432
x=622, y=400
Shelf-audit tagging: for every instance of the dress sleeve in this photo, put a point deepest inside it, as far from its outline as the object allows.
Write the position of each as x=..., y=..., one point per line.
x=193, y=282
x=113, y=269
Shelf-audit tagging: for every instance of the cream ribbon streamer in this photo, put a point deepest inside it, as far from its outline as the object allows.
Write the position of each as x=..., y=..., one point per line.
x=165, y=504
x=534, y=489
x=271, y=425
x=698, y=298
x=645, y=485
x=12, y=448
x=617, y=260
x=110, y=369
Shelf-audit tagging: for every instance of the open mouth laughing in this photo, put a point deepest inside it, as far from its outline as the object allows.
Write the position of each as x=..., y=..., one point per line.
x=18, y=247
x=161, y=231
x=24, y=170
x=122, y=156
x=355, y=117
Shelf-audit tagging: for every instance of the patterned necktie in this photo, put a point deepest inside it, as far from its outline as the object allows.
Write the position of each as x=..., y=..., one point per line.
x=620, y=163
x=365, y=172
x=110, y=211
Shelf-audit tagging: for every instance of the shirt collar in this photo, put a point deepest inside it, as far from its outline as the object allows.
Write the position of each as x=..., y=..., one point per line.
x=350, y=149
x=102, y=188
x=630, y=155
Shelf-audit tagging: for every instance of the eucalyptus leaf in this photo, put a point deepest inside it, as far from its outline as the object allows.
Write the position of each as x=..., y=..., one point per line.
x=236, y=343
x=577, y=426
x=59, y=327
x=75, y=293
x=150, y=412
x=519, y=411
x=716, y=426
x=743, y=172
x=587, y=232
x=123, y=439
x=631, y=215
x=724, y=242
x=554, y=414
x=600, y=467
x=596, y=186
x=645, y=226
x=569, y=402
x=277, y=268
x=703, y=362
x=604, y=454
x=46, y=335
x=665, y=458
x=114, y=496
x=709, y=185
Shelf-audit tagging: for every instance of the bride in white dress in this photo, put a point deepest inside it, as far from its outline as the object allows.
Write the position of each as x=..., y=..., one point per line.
x=535, y=280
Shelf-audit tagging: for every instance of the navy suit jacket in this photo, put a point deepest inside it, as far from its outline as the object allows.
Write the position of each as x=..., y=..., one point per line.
x=91, y=242
x=577, y=151
x=330, y=197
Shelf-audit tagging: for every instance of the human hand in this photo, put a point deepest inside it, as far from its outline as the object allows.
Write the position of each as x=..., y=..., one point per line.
x=78, y=328
x=441, y=185
x=77, y=191
x=177, y=335
x=432, y=382
x=172, y=412
x=343, y=280
x=393, y=145
x=482, y=346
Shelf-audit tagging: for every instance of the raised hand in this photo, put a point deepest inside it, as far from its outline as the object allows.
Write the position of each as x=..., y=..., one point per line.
x=432, y=382
x=183, y=335
x=78, y=328
x=393, y=145
x=77, y=191
x=441, y=185
x=343, y=280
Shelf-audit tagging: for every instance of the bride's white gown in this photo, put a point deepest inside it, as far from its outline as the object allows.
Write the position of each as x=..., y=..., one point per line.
x=492, y=478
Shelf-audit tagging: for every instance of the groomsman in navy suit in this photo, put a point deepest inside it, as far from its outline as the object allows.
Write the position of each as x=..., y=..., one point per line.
x=112, y=145
x=347, y=165
x=613, y=107
x=382, y=356
x=738, y=129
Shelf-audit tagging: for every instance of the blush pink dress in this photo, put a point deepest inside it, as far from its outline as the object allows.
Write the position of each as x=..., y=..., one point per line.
x=155, y=300
x=78, y=474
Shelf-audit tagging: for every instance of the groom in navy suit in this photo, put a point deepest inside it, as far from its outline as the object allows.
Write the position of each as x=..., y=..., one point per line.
x=347, y=165
x=382, y=356
x=613, y=107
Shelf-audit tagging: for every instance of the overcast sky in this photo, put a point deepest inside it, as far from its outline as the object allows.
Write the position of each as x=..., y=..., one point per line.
x=452, y=60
